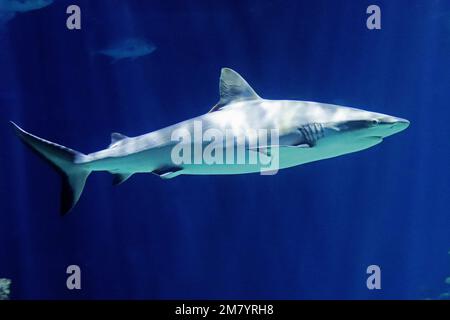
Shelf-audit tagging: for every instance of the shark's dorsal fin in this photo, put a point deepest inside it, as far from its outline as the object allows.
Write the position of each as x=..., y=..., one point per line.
x=233, y=88
x=116, y=137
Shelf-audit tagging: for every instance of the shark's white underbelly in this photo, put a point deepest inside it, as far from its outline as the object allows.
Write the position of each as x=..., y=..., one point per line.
x=154, y=159
x=153, y=151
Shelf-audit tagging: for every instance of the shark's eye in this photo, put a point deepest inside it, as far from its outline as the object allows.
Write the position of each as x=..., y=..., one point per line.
x=375, y=122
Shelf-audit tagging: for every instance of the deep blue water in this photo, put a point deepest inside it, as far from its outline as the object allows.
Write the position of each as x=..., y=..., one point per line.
x=308, y=232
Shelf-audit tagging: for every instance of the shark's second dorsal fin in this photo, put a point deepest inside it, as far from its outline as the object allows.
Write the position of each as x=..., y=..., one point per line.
x=116, y=137
x=233, y=88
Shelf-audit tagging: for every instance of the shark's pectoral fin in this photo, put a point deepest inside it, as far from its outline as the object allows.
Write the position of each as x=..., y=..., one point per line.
x=303, y=145
x=168, y=172
x=119, y=178
x=233, y=88
x=297, y=146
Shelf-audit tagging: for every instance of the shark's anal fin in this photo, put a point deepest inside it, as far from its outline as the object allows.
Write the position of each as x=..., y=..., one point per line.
x=168, y=172
x=233, y=88
x=119, y=178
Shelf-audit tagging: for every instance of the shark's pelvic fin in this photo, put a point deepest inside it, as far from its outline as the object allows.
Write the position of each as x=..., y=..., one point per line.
x=65, y=161
x=116, y=137
x=168, y=172
x=119, y=178
x=233, y=88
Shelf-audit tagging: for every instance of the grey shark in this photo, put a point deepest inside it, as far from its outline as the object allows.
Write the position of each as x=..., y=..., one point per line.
x=9, y=8
x=308, y=131
x=23, y=5
x=132, y=48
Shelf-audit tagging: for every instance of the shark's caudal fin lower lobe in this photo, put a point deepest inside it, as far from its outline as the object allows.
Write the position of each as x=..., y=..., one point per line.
x=64, y=161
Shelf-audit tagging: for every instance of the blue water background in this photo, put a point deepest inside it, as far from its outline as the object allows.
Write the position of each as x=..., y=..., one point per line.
x=308, y=232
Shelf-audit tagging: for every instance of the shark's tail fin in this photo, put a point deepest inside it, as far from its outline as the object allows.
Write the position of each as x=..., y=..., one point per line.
x=66, y=161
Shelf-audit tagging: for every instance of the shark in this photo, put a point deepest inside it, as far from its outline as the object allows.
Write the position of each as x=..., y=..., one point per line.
x=307, y=132
x=23, y=5
x=9, y=8
x=131, y=48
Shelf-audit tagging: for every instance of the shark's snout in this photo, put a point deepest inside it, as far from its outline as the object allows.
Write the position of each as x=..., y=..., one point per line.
x=397, y=123
x=400, y=124
x=390, y=125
